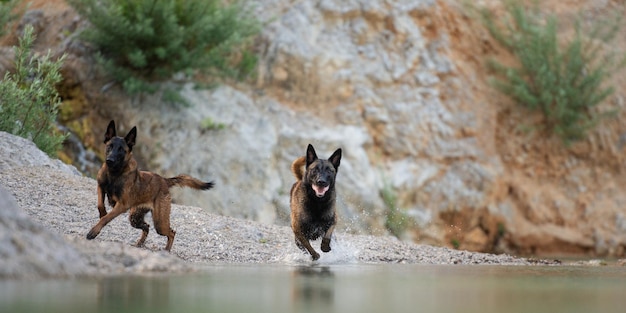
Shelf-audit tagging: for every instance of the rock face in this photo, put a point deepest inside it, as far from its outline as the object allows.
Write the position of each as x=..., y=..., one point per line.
x=366, y=76
x=401, y=86
x=358, y=75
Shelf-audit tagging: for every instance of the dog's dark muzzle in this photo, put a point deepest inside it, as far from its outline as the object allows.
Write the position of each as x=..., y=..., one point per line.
x=114, y=164
x=322, y=183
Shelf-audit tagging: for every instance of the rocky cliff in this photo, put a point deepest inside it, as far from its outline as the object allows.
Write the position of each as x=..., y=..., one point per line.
x=401, y=86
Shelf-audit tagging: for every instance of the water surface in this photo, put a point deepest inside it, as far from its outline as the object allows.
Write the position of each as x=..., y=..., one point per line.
x=333, y=288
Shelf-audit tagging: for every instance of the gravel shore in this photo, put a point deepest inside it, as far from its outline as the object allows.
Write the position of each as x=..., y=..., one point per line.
x=60, y=201
x=66, y=204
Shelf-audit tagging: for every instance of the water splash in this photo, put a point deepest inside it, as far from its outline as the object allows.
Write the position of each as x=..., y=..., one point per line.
x=343, y=252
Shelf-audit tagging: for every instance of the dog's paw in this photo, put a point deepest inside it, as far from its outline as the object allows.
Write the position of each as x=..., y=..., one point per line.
x=315, y=256
x=325, y=245
x=92, y=234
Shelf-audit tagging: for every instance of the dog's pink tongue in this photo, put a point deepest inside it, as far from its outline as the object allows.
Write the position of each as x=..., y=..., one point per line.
x=320, y=191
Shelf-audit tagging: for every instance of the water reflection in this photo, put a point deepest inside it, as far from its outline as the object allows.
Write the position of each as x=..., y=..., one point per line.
x=313, y=287
x=334, y=288
x=127, y=294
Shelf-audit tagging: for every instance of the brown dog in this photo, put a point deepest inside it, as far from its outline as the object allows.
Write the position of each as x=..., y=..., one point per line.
x=313, y=200
x=141, y=192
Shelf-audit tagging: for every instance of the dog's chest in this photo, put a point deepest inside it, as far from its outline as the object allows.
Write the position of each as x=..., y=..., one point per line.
x=113, y=187
x=317, y=212
x=315, y=224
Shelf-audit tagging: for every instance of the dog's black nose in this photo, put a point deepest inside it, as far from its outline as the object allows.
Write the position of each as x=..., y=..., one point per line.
x=321, y=182
x=111, y=162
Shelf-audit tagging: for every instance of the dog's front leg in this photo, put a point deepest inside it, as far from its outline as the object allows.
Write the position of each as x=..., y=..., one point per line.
x=117, y=210
x=307, y=245
x=326, y=239
x=101, y=209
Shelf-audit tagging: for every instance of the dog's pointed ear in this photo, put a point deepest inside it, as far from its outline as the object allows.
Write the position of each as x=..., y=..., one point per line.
x=110, y=131
x=311, y=156
x=130, y=138
x=335, y=159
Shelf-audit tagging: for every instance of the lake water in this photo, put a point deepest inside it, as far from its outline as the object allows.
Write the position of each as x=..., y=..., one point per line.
x=333, y=288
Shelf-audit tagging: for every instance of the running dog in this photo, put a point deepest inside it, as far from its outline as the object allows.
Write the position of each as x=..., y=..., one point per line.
x=127, y=188
x=312, y=200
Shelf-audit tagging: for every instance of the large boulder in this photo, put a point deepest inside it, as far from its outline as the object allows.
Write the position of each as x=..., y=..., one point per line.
x=27, y=248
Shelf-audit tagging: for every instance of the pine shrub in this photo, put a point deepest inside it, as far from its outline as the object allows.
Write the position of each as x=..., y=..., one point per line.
x=565, y=80
x=29, y=100
x=143, y=43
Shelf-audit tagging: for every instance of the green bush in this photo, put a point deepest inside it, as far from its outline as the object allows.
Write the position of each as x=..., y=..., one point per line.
x=146, y=42
x=564, y=80
x=29, y=100
x=396, y=220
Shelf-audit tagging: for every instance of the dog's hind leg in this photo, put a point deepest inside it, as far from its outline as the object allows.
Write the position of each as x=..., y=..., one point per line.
x=136, y=218
x=161, y=218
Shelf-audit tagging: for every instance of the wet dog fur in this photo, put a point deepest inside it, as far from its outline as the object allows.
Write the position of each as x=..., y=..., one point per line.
x=127, y=188
x=312, y=200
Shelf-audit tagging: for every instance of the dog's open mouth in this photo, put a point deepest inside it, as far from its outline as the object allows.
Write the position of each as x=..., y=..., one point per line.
x=320, y=191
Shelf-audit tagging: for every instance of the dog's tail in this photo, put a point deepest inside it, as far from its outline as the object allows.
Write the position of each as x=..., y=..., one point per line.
x=188, y=181
x=296, y=167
